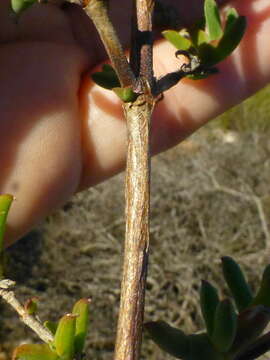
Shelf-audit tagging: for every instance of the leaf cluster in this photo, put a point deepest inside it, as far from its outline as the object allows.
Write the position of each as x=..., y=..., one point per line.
x=233, y=327
x=210, y=40
x=69, y=337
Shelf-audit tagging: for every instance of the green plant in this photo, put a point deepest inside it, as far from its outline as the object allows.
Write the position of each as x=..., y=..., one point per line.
x=68, y=334
x=233, y=327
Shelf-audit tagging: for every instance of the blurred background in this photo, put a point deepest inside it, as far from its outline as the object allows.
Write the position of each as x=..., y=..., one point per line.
x=210, y=197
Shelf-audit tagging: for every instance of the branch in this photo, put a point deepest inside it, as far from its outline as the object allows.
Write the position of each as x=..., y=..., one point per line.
x=138, y=116
x=8, y=295
x=98, y=12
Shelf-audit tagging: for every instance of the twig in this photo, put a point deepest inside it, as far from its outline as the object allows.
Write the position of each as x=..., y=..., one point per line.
x=98, y=12
x=8, y=295
x=141, y=57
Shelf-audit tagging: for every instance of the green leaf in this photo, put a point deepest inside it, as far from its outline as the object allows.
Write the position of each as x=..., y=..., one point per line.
x=168, y=338
x=19, y=5
x=212, y=18
x=251, y=324
x=64, y=337
x=237, y=283
x=199, y=37
x=81, y=309
x=177, y=40
x=231, y=18
x=51, y=326
x=209, y=301
x=231, y=38
x=202, y=349
x=125, y=94
x=34, y=352
x=263, y=295
x=5, y=203
x=225, y=326
x=107, y=78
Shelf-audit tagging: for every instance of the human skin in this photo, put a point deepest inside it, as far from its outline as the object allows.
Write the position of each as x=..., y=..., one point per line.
x=60, y=133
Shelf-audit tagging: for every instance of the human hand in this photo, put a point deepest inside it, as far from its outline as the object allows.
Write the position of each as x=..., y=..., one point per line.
x=59, y=132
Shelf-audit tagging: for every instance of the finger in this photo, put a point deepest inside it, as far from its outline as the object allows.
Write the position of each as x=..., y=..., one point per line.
x=40, y=22
x=185, y=107
x=40, y=131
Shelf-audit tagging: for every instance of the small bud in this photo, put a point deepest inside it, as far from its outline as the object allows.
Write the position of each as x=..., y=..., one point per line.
x=30, y=305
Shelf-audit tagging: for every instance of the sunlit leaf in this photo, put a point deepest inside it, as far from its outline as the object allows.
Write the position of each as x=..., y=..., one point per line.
x=34, y=352
x=64, y=337
x=125, y=94
x=177, y=40
x=19, y=5
x=212, y=18
x=81, y=309
x=5, y=203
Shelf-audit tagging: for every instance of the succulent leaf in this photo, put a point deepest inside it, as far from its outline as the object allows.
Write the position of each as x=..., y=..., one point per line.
x=81, y=309
x=263, y=295
x=209, y=301
x=19, y=5
x=231, y=38
x=251, y=324
x=51, y=326
x=126, y=94
x=177, y=40
x=169, y=339
x=34, y=352
x=202, y=349
x=107, y=78
x=5, y=203
x=225, y=326
x=212, y=18
x=237, y=283
x=64, y=337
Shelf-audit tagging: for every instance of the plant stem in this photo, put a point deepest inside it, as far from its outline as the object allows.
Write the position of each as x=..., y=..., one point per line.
x=130, y=321
x=138, y=116
x=98, y=12
x=8, y=295
x=141, y=57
